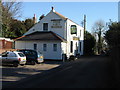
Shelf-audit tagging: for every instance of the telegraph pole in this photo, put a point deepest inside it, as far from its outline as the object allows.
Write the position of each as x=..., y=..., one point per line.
x=0, y=19
x=84, y=26
x=84, y=23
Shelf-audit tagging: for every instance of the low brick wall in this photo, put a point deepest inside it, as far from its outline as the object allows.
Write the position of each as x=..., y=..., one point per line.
x=3, y=50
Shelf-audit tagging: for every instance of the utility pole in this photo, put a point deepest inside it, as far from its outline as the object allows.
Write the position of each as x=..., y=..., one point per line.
x=84, y=25
x=0, y=19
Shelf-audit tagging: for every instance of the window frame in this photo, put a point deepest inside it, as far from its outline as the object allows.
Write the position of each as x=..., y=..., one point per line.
x=45, y=27
x=35, y=46
x=71, y=46
x=54, y=47
x=45, y=47
x=73, y=29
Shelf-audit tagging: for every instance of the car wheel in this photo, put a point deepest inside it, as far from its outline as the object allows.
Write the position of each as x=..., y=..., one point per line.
x=15, y=64
x=22, y=64
x=38, y=63
x=33, y=62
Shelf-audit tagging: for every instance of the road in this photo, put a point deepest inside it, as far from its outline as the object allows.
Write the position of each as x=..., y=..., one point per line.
x=90, y=72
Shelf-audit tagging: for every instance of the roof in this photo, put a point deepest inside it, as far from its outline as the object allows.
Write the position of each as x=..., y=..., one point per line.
x=42, y=36
x=6, y=39
x=63, y=17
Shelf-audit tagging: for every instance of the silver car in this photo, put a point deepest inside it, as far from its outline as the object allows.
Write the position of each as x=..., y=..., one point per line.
x=13, y=57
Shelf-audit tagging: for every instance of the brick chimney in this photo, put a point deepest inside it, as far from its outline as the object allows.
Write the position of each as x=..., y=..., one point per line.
x=34, y=19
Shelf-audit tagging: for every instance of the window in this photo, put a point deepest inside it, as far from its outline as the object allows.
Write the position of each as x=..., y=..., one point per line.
x=80, y=33
x=71, y=47
x=45, y=26
x=12, y=55
x=4, y=54
x=21, y=55
x=44, y=47
x=80, y=46
x=73, y=29
x=30, y=53
x=54, y=47
x=35, y=46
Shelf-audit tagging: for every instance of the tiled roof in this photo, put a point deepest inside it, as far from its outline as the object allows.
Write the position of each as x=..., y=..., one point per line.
x=61, y=15
x=42, y=36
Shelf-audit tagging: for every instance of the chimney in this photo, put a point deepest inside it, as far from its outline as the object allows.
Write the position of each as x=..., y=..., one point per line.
x=53, y=9
x=34, y=19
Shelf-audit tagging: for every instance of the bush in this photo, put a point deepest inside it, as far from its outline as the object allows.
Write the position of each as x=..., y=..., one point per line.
x=113, y=39
x=113, y=35
x=89, y=44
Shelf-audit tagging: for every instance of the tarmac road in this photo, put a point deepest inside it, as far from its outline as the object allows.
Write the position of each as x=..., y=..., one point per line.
x=90, y=72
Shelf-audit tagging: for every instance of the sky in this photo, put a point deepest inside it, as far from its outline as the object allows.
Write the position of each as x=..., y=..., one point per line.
x=75, y=11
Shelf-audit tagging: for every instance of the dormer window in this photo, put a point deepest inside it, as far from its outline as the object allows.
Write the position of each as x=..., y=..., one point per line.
x=73, y=29
x=45, y=26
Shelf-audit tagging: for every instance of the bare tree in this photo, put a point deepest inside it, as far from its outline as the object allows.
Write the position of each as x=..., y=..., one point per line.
x=98, y=30
x=10, y=10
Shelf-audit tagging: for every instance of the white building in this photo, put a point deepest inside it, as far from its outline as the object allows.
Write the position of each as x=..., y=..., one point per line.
x=54, y=35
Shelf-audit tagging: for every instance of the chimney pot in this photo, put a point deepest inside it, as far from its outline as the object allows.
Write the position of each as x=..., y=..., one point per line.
x=52, y=8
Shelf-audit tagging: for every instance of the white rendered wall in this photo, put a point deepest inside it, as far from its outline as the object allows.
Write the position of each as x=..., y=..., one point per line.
x=47, y=19
x=70, y=38
x=49, y=54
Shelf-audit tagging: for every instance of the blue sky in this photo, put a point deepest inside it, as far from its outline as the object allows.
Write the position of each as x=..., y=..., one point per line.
x=73, y=10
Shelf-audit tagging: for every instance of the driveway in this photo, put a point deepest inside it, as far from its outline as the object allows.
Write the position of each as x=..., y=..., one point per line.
x=11, y=74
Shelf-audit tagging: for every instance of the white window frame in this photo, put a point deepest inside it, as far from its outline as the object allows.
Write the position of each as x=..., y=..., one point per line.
x=45, y=47
x=54, y=47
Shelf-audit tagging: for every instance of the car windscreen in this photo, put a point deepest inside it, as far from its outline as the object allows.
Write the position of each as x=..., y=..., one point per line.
x=30, y=53
x=21, y=54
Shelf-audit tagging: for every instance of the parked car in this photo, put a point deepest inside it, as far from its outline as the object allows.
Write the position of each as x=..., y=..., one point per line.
x=13, y=57
x=32, y=56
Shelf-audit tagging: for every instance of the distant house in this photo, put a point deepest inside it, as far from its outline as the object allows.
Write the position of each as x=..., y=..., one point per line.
x=54, y=35
x=5, y=43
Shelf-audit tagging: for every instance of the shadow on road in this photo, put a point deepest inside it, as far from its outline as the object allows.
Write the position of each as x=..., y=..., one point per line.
x=86, y=72
x=53, y=62
x=14, y=74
